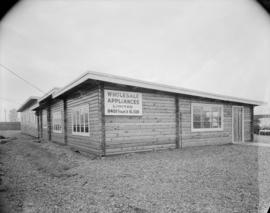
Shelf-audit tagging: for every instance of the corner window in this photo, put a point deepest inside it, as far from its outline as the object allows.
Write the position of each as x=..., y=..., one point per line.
x=80, y=120
x=44, y=120
x=206, y=117
x=57, y=122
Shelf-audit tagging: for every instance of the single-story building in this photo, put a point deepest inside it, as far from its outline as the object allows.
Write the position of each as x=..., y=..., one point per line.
x=107, y=114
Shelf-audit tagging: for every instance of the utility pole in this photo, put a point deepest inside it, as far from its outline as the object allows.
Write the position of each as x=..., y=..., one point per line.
x=5, y=115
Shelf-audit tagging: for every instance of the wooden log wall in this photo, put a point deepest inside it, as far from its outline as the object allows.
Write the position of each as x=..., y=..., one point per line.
x=165, y=123
x=29, y=128
x=90, y=143
x=65, y=120
x=190, y=138
x=49, y=122
x=248, y=123
x=39, y=126
x=57, y=105
x=154, y=130
x=44, y=130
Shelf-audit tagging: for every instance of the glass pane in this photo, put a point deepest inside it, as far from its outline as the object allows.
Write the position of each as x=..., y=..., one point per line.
x=82, y=121
x=74, y=121
x=196, y=125
x=197, y=117
x=216, y=121
x=78, y=120
x=206, y=116
x=86, y=122
x=219, y=122
x=60, y=121
x=197, y=110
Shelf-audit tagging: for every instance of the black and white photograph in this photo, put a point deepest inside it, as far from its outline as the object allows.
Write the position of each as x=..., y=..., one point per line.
x=136, y=106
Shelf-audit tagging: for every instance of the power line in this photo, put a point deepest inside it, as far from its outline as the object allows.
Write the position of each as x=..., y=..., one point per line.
x=32, y=85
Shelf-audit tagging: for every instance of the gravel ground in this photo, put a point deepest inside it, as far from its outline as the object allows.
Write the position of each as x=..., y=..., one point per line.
x=48, y=177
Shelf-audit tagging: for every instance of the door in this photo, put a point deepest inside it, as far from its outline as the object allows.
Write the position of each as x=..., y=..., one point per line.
x=238, y=124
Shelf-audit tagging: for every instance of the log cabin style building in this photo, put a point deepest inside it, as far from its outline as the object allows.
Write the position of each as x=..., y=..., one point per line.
x=107, y=114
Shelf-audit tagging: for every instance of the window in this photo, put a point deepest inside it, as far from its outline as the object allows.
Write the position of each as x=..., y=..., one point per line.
x=57, y=122
x=44, y=120
x=80, y=120
x=206, y=117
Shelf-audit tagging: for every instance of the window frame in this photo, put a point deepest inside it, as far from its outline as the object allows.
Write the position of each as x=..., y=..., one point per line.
x=77, y=109
x=207, y=129
x=53, y=121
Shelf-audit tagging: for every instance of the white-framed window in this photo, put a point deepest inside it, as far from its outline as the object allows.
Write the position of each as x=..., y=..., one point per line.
x=206, y=117
x=44, y=120
x=57, y=121
x=80, y=120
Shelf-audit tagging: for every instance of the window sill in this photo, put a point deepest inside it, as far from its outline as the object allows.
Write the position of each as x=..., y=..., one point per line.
x=207, y=130
x=59, y=132
x=80, y=134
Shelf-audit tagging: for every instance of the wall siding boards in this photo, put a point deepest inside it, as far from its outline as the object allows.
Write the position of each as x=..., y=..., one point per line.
x=39, y=126
x=248, y=111
x=29, y=129
x=91, y=143
x=154, y=130
x=57, y=105
x=49, y=123
x=29, y=123
x=157, y=128
x=190, y=138
x=44, y=130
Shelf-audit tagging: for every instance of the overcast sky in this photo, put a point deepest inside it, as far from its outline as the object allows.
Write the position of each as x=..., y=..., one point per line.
x=209, y=45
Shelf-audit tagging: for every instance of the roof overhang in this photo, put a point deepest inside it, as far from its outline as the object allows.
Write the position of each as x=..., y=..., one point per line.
x=43, y=99
x=48, y=94
x=35, y=107
x=28, y=103
x=149, y=85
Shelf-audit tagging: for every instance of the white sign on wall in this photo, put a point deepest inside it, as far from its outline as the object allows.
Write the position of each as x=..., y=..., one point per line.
x=122, y=103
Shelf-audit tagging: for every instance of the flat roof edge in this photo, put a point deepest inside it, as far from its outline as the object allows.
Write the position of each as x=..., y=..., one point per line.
x=150, y=85
x=27, y=101
x=50, y=92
